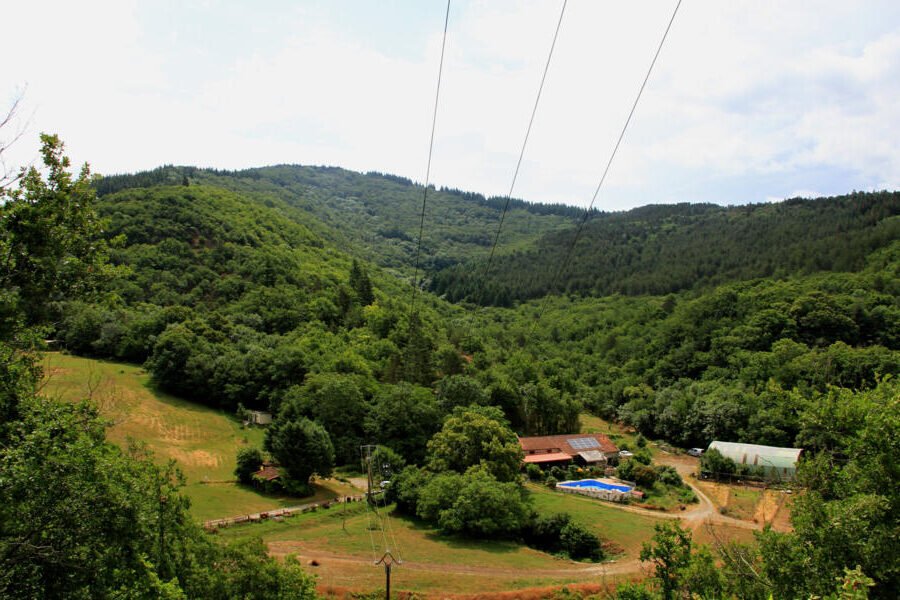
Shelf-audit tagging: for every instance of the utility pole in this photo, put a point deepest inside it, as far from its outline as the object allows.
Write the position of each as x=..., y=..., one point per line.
x=366, y=454
x=387, y=560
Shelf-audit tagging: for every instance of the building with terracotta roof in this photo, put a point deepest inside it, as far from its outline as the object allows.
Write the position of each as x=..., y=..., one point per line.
x=581, y=448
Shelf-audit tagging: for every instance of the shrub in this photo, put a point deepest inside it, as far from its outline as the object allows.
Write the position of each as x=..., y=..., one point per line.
x=249, y=460
x=551, y=482
x=579, y=543
x=534, y=472
x=669, y=476
x=645, y=476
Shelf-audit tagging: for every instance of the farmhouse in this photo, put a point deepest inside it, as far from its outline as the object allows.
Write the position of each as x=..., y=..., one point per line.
x=777, y=463
x=580, y=448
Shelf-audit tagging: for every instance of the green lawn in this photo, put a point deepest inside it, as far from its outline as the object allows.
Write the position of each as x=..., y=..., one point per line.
x=204, y=441
x=626, y=530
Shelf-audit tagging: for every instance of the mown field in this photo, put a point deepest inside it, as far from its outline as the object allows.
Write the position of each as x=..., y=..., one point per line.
x=203, y=441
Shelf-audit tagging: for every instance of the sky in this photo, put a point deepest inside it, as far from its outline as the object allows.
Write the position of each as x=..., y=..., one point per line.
x=750, y=101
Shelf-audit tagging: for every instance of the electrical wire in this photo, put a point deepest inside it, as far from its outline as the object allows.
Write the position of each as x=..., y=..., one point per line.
x=437, y=96
x=512, y=185
x=612, y=156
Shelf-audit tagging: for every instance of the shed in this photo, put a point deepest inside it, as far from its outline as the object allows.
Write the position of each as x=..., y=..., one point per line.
x=259, y=417
x=779, y=463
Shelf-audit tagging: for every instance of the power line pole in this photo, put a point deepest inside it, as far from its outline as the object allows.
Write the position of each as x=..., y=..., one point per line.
x=387, y=560
x=366, y=452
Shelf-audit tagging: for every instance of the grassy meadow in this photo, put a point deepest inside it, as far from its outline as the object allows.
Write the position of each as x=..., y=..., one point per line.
x=204, y=441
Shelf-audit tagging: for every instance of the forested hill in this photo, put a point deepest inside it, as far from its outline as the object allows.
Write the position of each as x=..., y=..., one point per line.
x=375, y=215
x=669, y=248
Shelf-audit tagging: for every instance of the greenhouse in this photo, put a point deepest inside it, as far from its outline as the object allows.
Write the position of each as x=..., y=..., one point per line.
x=777, y=463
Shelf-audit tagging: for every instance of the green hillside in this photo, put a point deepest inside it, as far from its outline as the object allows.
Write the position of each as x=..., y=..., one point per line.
x=664, y=249
x=377, y=215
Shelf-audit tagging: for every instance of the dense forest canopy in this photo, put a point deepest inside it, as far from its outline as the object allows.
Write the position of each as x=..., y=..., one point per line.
x=670, y=248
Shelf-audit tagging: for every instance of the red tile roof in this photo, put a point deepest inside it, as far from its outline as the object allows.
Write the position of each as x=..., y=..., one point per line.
x=560, y=443
x=268, y=473
x=547, y=457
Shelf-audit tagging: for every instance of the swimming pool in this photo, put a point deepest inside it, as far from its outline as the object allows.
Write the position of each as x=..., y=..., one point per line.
x=596, y=484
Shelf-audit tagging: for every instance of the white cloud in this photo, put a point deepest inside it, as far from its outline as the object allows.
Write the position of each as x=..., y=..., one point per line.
x=767, y=96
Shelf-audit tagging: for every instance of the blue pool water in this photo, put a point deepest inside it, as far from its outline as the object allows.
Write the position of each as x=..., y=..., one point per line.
x=593, y=483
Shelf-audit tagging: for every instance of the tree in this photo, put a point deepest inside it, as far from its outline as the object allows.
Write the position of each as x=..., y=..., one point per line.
x=51, y=244
x=474, y=503
x=670, y=554
x=714, y=464
x=404, y=417
x=249, y=460
x=459, y=390
x=476, y=435
x=361, y=285
x=850, y=488
x=336, y=402
x=302, y=447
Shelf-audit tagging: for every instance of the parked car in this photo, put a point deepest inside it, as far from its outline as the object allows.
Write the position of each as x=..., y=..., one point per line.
x=695, y=452
x=625, y=454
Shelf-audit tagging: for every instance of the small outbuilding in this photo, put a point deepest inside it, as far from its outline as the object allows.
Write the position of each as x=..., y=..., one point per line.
x=772, y=461
x=259, y=417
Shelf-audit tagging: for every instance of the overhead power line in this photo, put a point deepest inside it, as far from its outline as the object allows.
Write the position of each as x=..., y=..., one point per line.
x=437, y=96
x=612, y=156
x=512, y=185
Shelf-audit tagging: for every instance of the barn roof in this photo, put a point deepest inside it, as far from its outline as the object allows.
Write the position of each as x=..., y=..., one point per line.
x=268, y=473
x=592, y=456
x=570, y=444
x=547, y=457
x=759, y=456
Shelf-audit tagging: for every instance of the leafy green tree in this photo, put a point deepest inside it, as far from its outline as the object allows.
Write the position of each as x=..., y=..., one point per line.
x=850, y=488
x=714, y=464
x=362, y=286
x=249, y=460
x=336, y=402
x=459, y=390
x=404, y=417
x=670, y=555
x=50, y=238
x=302, y=447
x=473, y=503
x=473, y=436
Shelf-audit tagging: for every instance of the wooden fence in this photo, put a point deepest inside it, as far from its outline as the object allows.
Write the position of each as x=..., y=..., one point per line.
x=279, y=513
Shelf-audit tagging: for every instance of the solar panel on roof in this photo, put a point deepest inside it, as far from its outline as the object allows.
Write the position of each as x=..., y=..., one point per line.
x=583, y=443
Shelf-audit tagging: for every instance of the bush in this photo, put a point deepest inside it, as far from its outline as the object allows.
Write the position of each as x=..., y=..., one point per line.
x=645, y=476
x=249, y=460
x=557, y=533
x=534, y=472
x=669, y=476
x=551, y=482
x=625, y=470
x=579, y=543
